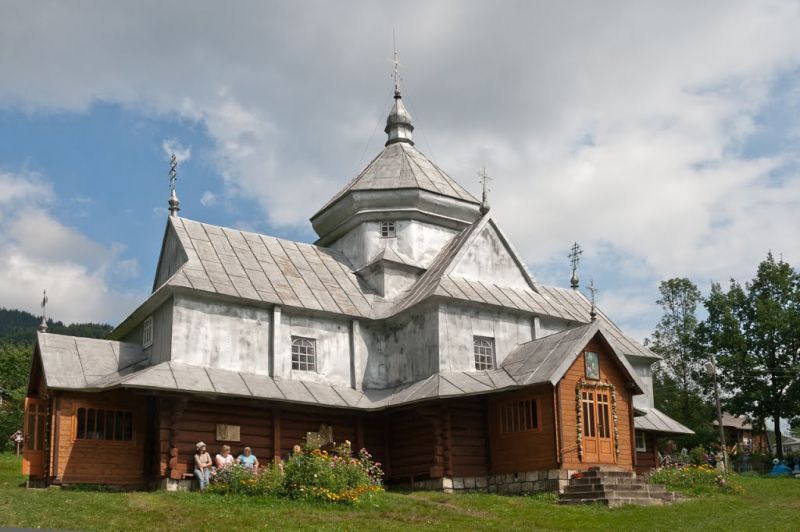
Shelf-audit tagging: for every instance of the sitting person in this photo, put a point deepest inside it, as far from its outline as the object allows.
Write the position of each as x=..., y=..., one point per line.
x=248, y=460
x=224, y=458
x=202, y=465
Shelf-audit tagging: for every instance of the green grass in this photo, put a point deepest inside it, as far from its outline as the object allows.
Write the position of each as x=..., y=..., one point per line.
x=767, y=504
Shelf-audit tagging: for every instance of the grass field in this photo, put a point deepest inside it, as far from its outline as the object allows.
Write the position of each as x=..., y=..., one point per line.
x=772, y=504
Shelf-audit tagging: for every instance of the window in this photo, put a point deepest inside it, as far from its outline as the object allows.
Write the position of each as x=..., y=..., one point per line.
x=387, y=229
x=147, y=332
x=304, y=354
x=519, y=416
x=641, y=442
x=588, y=413
x=484, y=352
x=102, y=424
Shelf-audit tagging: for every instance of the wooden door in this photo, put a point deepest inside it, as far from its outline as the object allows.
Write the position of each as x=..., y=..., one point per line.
x=605, y=429
x=598, y=431
x=34, y=433
x=590, y=444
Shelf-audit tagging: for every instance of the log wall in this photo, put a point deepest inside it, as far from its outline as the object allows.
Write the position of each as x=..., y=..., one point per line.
x=97, y=461
x=532, y=450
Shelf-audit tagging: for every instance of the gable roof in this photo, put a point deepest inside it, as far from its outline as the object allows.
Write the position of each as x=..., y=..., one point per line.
x=546, y=360
x=580, y=304
x=85, y=363
x=400, y=165
x=439, y=280
x=264, y=268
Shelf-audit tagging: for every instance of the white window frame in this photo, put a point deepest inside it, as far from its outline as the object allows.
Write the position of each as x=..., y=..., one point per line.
x=387, y=229
x=147, y=332
x=304, y=354
x=483, y=361
x=643, y=437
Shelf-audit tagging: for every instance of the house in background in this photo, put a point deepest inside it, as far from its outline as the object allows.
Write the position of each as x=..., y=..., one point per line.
x=739, y=432
x=411, y=327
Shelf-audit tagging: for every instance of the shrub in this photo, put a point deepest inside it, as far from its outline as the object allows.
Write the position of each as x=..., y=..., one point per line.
x=698, y=455
x=698, y=480
x=238, y=479
x=335, y=476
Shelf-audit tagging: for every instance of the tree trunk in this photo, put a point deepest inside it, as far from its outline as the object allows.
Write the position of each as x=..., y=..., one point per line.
x=776, y=418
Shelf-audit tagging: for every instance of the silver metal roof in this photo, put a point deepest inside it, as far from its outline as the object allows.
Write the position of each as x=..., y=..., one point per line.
x=401, y=165
x=548, y=359
x=653, y=420
x=263, y=268
x=94, y=365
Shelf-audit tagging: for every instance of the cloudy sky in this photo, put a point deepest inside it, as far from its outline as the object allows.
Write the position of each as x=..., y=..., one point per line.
x=662, y=136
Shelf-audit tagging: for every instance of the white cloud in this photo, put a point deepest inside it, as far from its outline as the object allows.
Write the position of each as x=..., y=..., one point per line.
x=39, y=252
x=618, y=126
x=171, y=146
x=208, y=199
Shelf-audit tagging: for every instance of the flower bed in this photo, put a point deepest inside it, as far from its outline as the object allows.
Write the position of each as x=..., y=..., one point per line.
x=315, y=474
x=696, y=479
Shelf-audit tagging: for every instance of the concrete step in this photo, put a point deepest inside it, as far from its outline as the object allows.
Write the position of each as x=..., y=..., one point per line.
x=595, y=473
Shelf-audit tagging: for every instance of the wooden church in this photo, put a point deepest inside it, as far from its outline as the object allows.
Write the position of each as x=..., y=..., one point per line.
x=411, y=328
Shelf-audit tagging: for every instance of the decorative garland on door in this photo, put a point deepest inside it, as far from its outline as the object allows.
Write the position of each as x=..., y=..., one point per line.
x=579, y=411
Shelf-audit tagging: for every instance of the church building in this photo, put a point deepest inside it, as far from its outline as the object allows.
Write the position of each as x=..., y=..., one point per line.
x=411, y=327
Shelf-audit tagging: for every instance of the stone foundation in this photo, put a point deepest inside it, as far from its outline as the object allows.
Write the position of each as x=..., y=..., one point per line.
x=510, y=483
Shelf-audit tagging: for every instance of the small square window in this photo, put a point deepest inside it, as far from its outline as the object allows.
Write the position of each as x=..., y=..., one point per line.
x=387, y=229
x=304, y=354
x=484, y=352
x=641, y=442
x=147, y=332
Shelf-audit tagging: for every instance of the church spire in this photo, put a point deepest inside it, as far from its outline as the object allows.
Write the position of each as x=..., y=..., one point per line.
x=398, y=123
x=174, y=202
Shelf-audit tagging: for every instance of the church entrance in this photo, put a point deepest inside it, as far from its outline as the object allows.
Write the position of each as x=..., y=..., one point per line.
x=598, y=431
x=34, y=431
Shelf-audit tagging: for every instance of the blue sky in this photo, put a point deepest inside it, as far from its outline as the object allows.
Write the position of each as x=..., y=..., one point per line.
x=661, y=136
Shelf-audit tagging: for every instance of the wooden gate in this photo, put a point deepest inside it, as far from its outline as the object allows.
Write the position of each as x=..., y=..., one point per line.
x=34, y=433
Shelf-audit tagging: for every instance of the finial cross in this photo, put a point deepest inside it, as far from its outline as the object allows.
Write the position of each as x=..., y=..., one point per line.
x=173, y=172
x=484, y=179
x=396, y=66
x=44, y=300
x=43, y=324
x=575, y=253
x=593, y=289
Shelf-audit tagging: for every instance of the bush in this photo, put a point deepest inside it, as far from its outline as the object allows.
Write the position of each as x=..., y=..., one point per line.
x=698, y=480
x=698, y=455
x=335, y=476
x=239, y=479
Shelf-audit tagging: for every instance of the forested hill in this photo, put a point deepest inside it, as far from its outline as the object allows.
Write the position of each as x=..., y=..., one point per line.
x=19, y=327
x=17, y=336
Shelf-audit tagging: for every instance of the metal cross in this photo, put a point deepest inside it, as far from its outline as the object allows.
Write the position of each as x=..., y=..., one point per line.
x=173, y=172
x=575, y=253
x=593, y=289
x=396, y=62
x=44, y=300
x=484, y=179
x=575, y=257
x=43, y=324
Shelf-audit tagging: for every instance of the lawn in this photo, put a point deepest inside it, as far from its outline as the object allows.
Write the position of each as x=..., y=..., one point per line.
x=768, y=503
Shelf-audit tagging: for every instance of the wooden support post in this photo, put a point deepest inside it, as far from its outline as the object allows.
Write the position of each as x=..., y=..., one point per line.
x=448, y=443
x=437, y=467
x=360, y=433
x=276, y=435
x=558, y=432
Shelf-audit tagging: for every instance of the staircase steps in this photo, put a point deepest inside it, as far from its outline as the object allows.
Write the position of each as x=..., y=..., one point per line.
x=614, y=488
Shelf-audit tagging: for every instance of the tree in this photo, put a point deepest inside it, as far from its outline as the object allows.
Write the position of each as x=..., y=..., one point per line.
x=675, y=340
x=755, y=332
